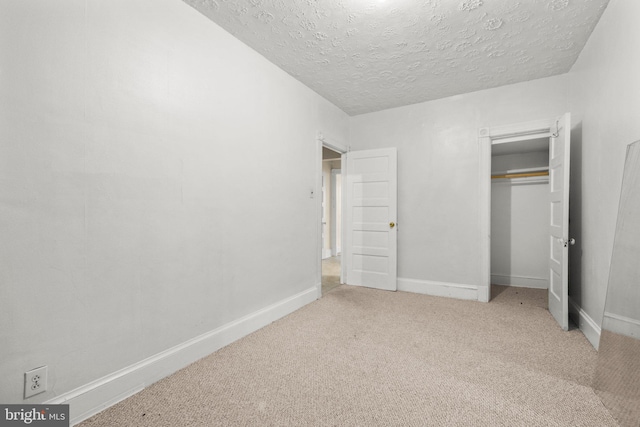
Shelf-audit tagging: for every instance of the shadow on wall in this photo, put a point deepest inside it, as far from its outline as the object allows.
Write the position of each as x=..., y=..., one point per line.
x=501, y=227
x=575, y=216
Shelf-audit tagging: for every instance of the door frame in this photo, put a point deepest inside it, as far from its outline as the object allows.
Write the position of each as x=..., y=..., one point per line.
x=335, y=144
x=486, y=137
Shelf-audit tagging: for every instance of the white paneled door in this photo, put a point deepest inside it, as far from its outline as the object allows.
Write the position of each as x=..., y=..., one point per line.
x=559, y=203
x=370, y=221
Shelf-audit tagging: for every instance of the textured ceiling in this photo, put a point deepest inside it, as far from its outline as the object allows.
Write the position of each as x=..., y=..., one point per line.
x=369, y=55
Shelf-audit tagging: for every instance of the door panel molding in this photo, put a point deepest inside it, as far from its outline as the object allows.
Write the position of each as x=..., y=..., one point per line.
x=559, y=165
x=370, y=242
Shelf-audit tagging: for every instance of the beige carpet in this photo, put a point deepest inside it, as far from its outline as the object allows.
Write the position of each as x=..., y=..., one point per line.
x=363, y=357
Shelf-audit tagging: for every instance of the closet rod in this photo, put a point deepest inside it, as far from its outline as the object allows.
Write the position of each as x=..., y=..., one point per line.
x=520, y=175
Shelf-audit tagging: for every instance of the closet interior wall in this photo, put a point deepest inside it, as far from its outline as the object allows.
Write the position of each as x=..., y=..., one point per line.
x=520, y=218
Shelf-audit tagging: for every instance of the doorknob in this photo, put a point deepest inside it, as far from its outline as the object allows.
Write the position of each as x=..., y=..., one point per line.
x=392, y=224
x=566, y=242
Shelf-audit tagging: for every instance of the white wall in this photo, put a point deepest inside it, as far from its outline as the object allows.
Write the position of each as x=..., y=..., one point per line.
x=605, y=103
x=438, y=171
x=137, y=144
x=520, y=234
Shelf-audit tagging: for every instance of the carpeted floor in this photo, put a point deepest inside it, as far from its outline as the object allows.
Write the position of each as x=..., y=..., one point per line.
x=363, y=357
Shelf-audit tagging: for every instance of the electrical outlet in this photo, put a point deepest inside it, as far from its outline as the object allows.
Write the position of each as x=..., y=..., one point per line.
x=35, y=381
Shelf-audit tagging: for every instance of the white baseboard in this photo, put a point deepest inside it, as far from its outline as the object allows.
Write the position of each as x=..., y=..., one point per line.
x=326, y=253
x=98, y=395
x=621, y=325
x=438, y=289
x=520, y=281
x=587, y=325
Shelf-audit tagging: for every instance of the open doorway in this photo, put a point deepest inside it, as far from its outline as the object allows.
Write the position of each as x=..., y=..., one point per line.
x=520, y=218
x=365, y=244
x=557, y=134
x=331, y=219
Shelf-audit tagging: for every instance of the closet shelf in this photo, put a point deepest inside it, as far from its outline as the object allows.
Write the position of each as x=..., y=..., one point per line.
x=521, y=173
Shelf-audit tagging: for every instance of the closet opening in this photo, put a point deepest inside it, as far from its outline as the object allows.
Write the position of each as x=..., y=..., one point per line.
x=519, y=267
x=520, y=216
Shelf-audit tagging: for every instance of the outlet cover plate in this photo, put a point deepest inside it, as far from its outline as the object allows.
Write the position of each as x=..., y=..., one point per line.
x=35, y=381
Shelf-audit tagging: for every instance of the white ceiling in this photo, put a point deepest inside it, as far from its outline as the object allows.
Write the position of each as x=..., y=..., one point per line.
x=370, y=55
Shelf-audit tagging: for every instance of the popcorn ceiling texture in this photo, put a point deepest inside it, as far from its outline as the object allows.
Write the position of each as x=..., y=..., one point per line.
x=370, y=55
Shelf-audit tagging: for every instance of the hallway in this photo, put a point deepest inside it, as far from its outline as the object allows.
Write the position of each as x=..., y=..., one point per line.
x=330, y=274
